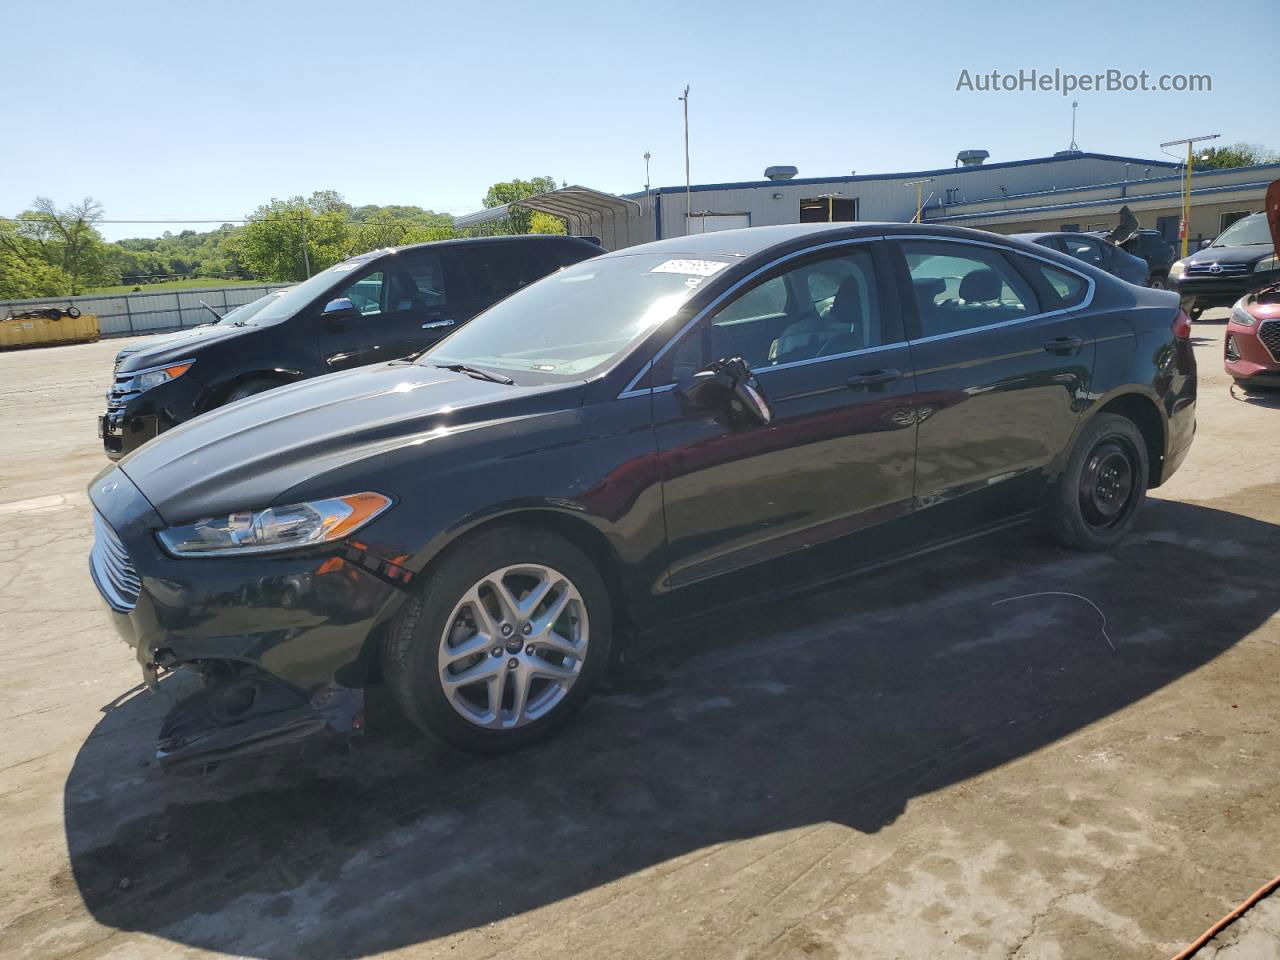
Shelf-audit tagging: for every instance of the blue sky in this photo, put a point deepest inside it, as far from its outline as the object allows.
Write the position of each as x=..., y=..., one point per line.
x=162, y=114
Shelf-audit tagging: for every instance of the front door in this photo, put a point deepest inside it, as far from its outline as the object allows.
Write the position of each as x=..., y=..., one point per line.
x=1002, y=373
x=824, y=336
x=404, y=306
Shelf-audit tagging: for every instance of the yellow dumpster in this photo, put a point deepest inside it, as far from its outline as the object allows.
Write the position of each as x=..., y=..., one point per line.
x=42, y=330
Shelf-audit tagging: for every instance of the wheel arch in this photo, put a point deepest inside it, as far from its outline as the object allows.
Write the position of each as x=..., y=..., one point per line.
x=1146, y=414
x=585, y=532
x=217, y=394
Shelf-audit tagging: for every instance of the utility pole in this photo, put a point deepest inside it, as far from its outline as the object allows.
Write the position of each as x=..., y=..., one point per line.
x=306, y=256
x=1184, y=228
x=647, y=198
x=688, y=201
x=919, y=185
x=1073, y=148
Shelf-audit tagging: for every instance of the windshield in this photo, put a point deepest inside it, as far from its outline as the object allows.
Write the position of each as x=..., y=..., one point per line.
x=1247, y=232
x=579, y=321
x=243, y=313
x=298, y=297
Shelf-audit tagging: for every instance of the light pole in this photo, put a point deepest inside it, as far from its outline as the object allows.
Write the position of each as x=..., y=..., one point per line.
x=688, y=202
x=1184, y=227
x=919, y=185
x=830, y=198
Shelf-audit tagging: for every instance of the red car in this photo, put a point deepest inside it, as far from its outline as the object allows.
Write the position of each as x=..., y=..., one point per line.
x=1252, y=348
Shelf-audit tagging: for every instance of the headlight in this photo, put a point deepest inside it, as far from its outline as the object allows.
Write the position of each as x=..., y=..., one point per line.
x=275, y=528
x=1176, y=270
x=1242, y=316
x=153, y=377
x=1267, y=264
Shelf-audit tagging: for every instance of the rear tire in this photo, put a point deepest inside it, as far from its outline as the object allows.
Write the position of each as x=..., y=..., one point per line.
x=249, y=388
x=1102, y=486
x=1195, y=311
x=475, y=601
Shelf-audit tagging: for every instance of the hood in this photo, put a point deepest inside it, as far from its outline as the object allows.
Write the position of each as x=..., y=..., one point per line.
x=169, y=347
x=1126, y=230
x=1229, y=254
x=247, y=454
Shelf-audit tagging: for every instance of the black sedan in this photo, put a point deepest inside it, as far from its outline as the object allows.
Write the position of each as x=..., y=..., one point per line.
x=1098, y=252
x=640, y=439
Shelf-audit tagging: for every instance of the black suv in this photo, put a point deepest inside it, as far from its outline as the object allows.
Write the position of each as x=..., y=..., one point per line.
x=1152, y=247
x=1241, y=259
x=378, y=306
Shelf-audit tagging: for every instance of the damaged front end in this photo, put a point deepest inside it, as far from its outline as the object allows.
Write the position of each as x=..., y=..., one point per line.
x=240, y=713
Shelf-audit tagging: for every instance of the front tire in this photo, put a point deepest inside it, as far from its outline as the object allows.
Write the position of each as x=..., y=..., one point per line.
x=1156, y=282
x=502, y=643
x=1102, y=486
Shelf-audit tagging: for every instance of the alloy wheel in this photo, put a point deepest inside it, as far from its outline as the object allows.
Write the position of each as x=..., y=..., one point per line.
x=514, y=646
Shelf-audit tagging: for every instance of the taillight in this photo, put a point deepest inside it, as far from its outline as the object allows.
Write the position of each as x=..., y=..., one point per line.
x=1182, y=326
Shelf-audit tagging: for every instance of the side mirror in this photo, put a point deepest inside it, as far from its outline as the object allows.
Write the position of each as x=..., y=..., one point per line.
x=730, y=386
x=340, y=308
x=1204, y=244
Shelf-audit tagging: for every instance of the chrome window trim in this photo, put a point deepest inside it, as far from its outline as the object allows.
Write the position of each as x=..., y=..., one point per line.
x=633, y=391
x=1082, y=305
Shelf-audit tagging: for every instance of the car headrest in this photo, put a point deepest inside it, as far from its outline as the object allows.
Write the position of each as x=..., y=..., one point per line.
x=980, y=286
x=929, y=288
x=846, y=307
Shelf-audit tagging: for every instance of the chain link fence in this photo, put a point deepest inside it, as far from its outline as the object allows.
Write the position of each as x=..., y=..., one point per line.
x=125, y=313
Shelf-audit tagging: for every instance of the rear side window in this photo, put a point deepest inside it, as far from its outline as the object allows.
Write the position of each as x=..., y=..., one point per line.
x=959, y=286
x=496, y=270
x=1084, y=248
x=1061, y=289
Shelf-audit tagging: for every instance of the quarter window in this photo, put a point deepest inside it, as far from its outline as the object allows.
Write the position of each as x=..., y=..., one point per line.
x=1062, y=288
x=959, y=286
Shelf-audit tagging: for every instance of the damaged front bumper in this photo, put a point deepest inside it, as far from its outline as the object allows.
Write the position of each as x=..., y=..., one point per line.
x=248, y=714
x=283, y=640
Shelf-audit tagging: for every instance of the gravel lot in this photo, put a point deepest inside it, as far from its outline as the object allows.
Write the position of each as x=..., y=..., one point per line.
x=892, y=768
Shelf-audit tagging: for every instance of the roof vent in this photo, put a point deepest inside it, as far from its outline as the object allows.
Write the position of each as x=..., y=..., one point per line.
x=780, y=173
x=971, y=158
x=1069, y=153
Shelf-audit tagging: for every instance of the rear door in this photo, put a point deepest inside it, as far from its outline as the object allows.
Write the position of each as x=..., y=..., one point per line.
x=1002, y=374
x=496, y=270
x=824, y=335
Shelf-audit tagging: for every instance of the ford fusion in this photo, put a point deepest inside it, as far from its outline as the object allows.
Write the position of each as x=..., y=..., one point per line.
x=373, y=307
x=640, y=439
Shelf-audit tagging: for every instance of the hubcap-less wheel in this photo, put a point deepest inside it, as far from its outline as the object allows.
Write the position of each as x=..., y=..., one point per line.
x=1106, y=483
x=513, y=646
x=1157, y=284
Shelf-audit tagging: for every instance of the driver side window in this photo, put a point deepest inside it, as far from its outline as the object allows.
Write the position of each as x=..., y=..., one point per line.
x=366, y=294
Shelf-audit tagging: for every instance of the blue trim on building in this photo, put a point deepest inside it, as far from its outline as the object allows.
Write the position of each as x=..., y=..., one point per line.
x=802, y=181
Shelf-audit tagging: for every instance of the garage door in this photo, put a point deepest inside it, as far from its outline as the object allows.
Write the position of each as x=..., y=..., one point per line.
x=711, y=222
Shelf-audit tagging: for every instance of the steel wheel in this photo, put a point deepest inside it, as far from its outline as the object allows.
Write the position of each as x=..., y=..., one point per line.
x=513, y=646
x=1107, y=483
x=1155, y=283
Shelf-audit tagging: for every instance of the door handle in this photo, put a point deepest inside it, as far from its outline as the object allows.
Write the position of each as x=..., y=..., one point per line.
x=1063, y=344
x=437, y=324
x=872, y=378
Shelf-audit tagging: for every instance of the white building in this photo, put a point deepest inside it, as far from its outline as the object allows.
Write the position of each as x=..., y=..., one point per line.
x=783, y=197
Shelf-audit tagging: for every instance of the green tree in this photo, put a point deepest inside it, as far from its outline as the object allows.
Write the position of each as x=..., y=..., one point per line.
x=519, y=221
x=1237, y=155
x=58, y=247
x=24, y=273
x=271, y=244
x=545, y=223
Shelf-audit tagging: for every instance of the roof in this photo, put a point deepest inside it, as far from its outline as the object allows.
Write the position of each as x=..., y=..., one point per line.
x=913, y=174
x=570, y=201
x=742, y=242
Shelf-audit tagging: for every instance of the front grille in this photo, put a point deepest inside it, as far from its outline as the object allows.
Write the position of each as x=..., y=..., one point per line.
x=119, y=394
x=1224, y=269
x=112, y=569
x=1269, y=334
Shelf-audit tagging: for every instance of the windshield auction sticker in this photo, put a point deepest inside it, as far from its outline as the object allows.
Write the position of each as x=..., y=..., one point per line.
x=690, y=268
